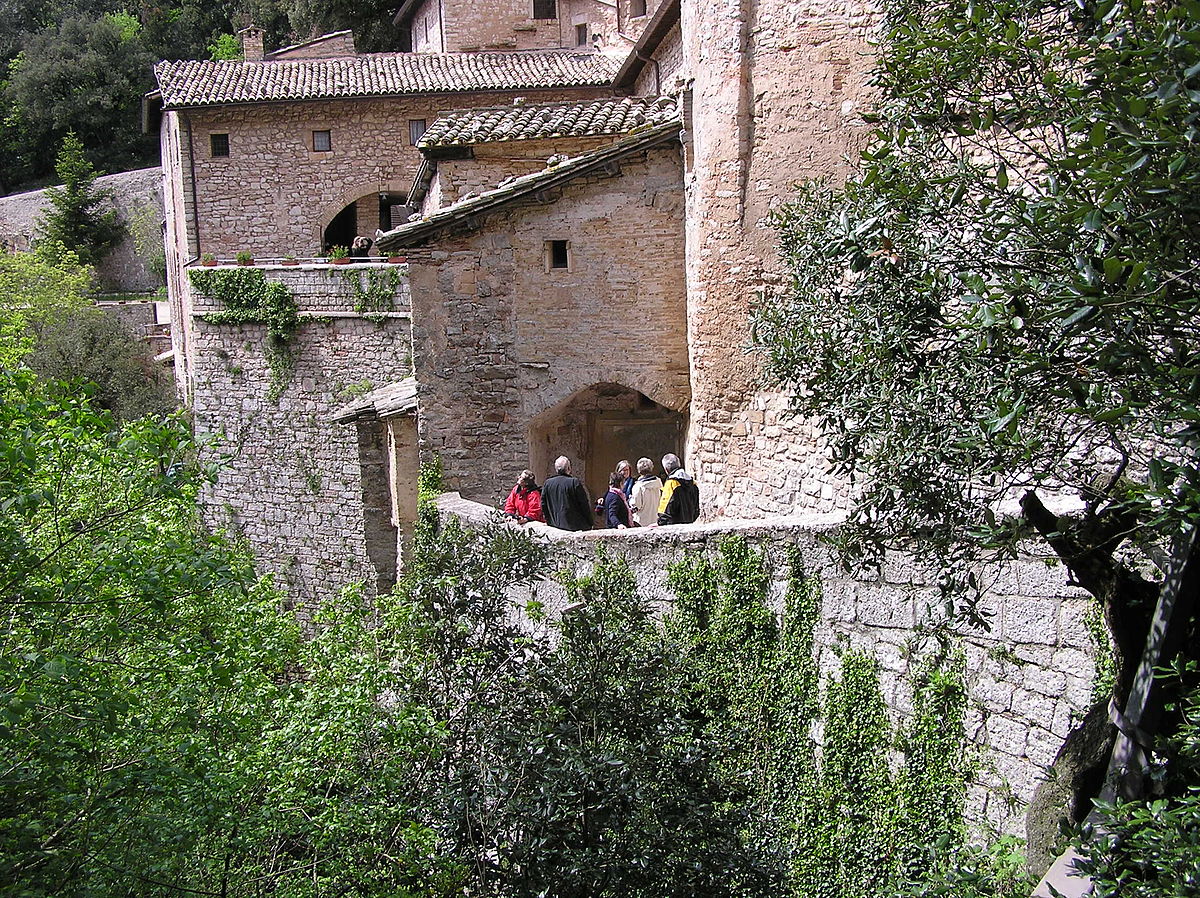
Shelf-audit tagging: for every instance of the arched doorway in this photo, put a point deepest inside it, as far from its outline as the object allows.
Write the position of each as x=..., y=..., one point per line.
x=374, y=211
x=600, y=425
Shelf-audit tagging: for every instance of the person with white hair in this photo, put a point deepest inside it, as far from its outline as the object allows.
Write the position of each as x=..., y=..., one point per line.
x=565, y=501
x=680, y=500
x=647, y=490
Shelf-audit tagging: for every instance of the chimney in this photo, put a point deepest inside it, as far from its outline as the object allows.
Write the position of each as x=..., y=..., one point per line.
x=252, y=43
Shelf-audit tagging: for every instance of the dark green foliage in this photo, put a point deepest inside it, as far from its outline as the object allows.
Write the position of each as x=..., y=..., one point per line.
x=1002, y=304
x=826, y=803
x=95, y=348
x=249, y=298
x=84, y=75
x=567, y=764
x=80, y=216
x=371, y=21
x=163, y=726
x=1151, y=848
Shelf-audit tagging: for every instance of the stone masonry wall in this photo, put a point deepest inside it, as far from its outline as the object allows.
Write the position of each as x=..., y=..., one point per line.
x=292, y=480
x=662, y=76
x=451, y=26
x=500, y=339
x=777, y=89
x=1029, y=679
x=132, y=191
x=273, y=195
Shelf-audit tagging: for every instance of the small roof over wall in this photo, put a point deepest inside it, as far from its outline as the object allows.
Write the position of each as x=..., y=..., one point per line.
x=399, y=398
x=194, y=83
x=464, y=212
x=538, y=121
x=336, y=43
x=665, y=18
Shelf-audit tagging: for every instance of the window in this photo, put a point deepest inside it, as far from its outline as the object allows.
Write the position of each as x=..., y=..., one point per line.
x=581, y=35
x=322, y=141
x=416, y=127
x=637, y=8
x=545, y=9
x=218, y=144
x=557, y=255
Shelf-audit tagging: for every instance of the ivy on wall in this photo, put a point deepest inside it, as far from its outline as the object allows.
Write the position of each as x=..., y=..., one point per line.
x=374, y=288
x=830, y=798
x=249, y=298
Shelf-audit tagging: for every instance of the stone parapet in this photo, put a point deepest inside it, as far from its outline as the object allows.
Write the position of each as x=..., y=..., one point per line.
x=324, y=288
x=1029, y=677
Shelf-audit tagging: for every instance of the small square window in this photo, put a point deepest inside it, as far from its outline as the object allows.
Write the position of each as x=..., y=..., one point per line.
x=557, y=255
x=322, y=141
x=637, y=9
x=545, y=9
x=218, y=144
x=581, y=35
x=416, y=127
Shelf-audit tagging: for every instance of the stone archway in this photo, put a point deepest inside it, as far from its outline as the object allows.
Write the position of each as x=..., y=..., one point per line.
x=359, y=211
x=598, y=426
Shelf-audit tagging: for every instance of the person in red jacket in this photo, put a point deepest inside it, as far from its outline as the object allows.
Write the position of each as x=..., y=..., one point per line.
x=525, y=501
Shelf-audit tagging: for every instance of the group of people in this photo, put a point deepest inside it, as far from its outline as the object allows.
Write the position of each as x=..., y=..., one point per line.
x=645, y=501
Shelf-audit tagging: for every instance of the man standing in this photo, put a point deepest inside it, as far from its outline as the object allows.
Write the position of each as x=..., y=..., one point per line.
x=680, y=502
x=565, y=501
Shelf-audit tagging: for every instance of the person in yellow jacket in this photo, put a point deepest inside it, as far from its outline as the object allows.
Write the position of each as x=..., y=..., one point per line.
x=680, y=502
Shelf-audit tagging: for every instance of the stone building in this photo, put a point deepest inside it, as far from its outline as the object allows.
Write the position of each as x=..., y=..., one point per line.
x=587, y=229
x=549, y=317
x=544, y=229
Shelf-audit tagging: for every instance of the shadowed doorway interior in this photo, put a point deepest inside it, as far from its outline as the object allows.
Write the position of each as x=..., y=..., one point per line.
x=600, y=425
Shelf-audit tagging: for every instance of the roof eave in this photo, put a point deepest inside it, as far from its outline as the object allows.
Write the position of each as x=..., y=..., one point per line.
x=664, y=19
x=404, y=13
x=421, y=232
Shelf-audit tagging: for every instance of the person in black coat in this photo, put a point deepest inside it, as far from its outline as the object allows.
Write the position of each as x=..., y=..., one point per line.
x=565, y=501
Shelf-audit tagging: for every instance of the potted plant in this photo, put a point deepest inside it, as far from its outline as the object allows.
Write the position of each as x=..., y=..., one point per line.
x=339, y=255
x=397, y=260
x=290, y=260
x=244, y=257
x=208, y=259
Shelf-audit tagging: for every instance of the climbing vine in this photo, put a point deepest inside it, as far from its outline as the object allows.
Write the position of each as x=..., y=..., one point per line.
x=829, y=796
x=374, y=289
x=249, y=298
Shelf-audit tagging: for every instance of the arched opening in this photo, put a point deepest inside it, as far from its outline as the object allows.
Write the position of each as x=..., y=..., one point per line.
x=600, y=425
x=380, y=210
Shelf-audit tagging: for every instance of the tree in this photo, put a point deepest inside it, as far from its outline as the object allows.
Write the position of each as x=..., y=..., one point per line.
x=77, y=217
x=371, y=22
x=163, y=726
x=999, y=312
x=38, y=290
x=85, y=75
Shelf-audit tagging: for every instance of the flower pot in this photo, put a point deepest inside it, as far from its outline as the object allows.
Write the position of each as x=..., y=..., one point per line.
x=397, y=260
x=290, y=262
x=208, y=263
x=343, y=261
x=245, y=261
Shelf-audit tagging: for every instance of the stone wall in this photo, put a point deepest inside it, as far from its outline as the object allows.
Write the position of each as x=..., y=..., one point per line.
x=776, y=92
x=273, y=195
x=1029, y=678
x=663, y=75
x=450, y=26
x=502, y=341
x=132, y=192
x=304, y=491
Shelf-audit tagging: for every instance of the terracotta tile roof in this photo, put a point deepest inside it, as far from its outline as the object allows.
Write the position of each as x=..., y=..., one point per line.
x=421, y=231
x=532, y=122
x=186, y=83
